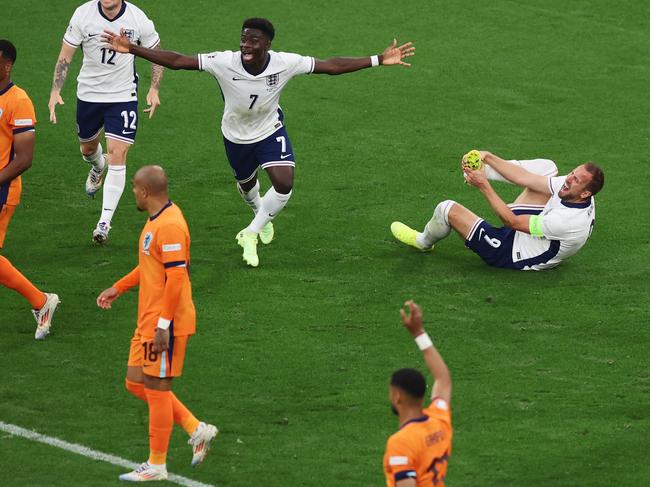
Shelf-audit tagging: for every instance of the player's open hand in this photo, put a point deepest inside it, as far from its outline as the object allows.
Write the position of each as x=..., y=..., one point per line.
x=119, y=43
x=161, y=340
x=394, y=54
x=413, y=318
x=153, y=100
x=55, y=99
x=106, y=297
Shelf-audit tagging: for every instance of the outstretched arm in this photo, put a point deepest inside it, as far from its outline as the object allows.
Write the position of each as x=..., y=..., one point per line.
x=168, y=59
x=60, y=74
x=413, y=323
x=516, y=174
x=341, y=65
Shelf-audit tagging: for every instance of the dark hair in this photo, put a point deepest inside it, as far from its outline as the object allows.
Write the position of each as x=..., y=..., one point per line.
x=410, y=381
x=264, y=25
x=597, y=178
x=8, y=50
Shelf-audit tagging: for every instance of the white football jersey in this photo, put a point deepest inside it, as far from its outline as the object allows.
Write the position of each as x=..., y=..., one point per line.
x=252, y=103
x=107, y=76
x=563, y=229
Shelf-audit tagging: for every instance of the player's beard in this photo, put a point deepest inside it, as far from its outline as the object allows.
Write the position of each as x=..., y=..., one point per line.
x=394, y=409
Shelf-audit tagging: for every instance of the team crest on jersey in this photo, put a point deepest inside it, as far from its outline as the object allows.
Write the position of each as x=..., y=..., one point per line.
x=272, y=79
x=130, y=34
x=146, y=243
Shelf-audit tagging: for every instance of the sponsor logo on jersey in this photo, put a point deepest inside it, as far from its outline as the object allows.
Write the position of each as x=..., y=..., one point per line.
x=273, y=79
x=130, y=34
x=171, y=247
x=146, y=243
x=23, y=122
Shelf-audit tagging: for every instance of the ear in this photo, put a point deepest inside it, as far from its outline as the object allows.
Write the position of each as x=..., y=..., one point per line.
x=585, y=195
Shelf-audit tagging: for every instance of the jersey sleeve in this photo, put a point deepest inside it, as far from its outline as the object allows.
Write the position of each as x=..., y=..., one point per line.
x=22, y=117
x=74, y=34
x=554, y=225
x=148, y=36
x=297, y=64
x=439, y=409
x=399, y=460
x=212, y=62
x=172, y=244
x=556, y=183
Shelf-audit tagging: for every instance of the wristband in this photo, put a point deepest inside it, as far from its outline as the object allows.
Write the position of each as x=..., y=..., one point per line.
x=163, y=324
x=423, y=341
x=374, y=61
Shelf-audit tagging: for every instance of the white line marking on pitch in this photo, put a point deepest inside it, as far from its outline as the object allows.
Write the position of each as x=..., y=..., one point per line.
x=12, y=429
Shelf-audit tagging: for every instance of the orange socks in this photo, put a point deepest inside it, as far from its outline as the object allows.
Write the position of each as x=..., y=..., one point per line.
x=182, y=415
x=161, y=422
x=13, y=279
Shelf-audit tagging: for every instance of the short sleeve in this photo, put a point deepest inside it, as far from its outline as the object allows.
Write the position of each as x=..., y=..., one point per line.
x=22, y=117
x=297, y=64
x=212, y=62
x=439, y=409
x=556, y=183
x=172, y=245
x=148, y=36
x=73, y=35
x=399, y=461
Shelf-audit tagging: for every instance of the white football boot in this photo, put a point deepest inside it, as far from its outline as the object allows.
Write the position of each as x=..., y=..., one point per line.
x=44, y=316
x=100, y=233
x=146, y=473
x=95, y=178
x=201, y=442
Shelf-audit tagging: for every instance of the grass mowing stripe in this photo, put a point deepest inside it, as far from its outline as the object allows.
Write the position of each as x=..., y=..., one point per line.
x=12, y=429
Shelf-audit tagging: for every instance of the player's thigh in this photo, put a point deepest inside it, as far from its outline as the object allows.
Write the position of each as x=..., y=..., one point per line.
x=462, y=220
x=6, y=213
x=241, y=158
x=275, y=151
x=492, y=244
x=90, y=121
x=117, y=151
x=164, y=364
x=121, y=124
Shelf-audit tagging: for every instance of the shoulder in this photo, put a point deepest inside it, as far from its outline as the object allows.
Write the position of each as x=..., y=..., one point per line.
x=439, y=410
x=19, y=95
x=135, y=10
x=85, y=9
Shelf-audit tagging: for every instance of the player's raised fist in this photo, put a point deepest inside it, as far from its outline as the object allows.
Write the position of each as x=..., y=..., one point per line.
x=413, y=318
x=119, y=43
x=394, y=54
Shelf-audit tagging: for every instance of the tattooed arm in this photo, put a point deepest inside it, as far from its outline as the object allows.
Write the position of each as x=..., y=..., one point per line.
x=60, y=74
x=153, y=101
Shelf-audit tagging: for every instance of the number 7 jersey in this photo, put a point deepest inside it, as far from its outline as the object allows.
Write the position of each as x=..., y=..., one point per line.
x=107, y=76
x=252, y=102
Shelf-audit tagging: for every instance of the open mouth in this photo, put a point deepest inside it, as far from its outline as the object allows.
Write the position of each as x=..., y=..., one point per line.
x=247, y=56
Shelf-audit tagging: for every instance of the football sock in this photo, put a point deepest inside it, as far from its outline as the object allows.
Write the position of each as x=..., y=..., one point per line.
x=252, y=198
x=438, y=227
x=161, y=422
x=113, y=188
x=272, y=204
x=183, y=416
x=543, y=167
x=13, y=279
x=137, y=389
x=96, y=159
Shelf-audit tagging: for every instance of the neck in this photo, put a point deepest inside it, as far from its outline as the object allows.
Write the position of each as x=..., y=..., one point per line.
x=256, y=68
x=5, y=83
x=156, y=205
x=409, y=413
x=111, y=12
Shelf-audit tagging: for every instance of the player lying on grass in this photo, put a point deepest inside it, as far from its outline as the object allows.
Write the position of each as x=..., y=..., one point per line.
x=548, y=222
x=251, y=80
x=166, y=320
x=17, y=139
x=418, y=453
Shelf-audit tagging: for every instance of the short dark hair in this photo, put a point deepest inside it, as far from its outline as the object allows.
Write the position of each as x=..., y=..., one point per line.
x=410, y=381
x=597, y=178
x=8, y=50
x=258, y=23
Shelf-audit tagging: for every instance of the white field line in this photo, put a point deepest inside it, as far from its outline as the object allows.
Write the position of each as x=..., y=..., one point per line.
x=12, y=429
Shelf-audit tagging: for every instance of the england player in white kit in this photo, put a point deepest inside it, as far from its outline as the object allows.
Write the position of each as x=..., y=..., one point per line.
x=252, y=125
x=107, y=94
x=549, y=222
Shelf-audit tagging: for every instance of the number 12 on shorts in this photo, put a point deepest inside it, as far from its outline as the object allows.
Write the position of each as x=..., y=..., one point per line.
x=133, y=116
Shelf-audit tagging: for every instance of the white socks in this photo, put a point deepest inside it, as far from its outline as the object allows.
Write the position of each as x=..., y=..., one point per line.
x=113, y=188
x=96, y=160
x=543, y=167
x=438, y=227
x=272, y=204
x=252, y=198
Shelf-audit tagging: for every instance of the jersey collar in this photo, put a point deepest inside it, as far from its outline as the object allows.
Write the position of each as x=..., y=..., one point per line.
x=268, y=60
x=421, y=419
x=11, y=83
x=585, y=204
x=152, y=218
x=121, y=12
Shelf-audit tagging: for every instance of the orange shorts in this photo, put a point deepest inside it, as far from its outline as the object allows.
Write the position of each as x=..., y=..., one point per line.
x=164, y=364
x=6, y=212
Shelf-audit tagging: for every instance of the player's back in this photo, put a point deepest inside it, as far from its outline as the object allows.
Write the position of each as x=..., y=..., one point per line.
x=421, y=448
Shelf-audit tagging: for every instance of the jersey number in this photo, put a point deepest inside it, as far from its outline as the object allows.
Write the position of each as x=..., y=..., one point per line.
x=494, y=242
x=134, y=117
x=254, y=98
x=282, y=139
x=435, y=468
x=109, y=52
x=148, y=352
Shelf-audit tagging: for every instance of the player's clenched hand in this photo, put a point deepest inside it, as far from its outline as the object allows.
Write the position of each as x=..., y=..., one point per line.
x=413, y=318
x=153, y=100
x=161, y=340
x=106, y=297
x=394, y=55
x=55, y=99
x=475, y=178
x=119, y=43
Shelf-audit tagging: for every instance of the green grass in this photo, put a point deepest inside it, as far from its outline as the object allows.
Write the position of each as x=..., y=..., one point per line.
x=291, y=360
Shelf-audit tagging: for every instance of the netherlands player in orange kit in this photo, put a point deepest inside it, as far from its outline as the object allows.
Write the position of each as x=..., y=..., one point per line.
x=17, y=138
x=166, y=320
x=417, y=455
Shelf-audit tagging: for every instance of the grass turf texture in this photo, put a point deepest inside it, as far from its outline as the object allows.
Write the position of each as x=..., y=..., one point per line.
x=292, y=360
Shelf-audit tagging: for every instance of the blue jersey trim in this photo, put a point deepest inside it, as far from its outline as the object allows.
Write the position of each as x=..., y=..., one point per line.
x=552, y=251
x=152, y=218
x=176, y=263
x=421, y=419
x=23, y=129
x=120, y=13
x=4, y=189
x=586, y=204
x=406, y=474
x=9, y=86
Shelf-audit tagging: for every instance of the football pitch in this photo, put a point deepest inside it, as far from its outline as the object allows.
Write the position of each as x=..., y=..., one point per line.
x=291, y=360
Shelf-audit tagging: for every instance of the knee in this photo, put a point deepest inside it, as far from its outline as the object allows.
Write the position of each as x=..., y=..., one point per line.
x=283, y=187
x=443, y=209
x=547, y=168
x=117, y=155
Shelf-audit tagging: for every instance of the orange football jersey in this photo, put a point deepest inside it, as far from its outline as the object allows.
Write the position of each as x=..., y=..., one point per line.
x=16, y=116
x=421, y=448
